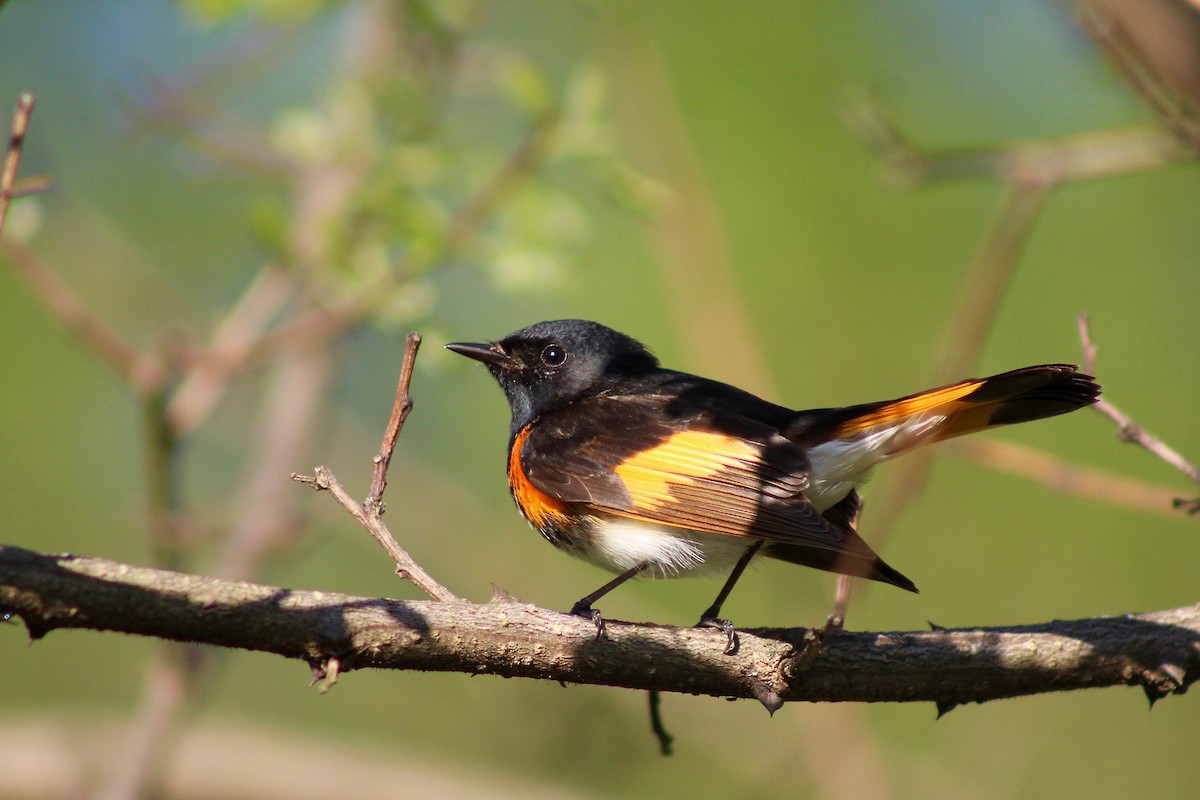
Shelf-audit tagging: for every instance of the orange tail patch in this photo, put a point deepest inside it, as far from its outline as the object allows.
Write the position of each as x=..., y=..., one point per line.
x=1017, y=396
x=902, y=409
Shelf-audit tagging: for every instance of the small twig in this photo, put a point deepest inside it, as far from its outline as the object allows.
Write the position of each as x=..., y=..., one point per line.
x=400, y=410
x=1082, y=156
x=138, y=369
x=523, y=160
x=1063, y=476
x=976, y=308
x=1133, y=62
x=665, y=740
x=988, y=277
x=207, y=374
x=369, y=513
x=8, y=173
x=266, y=518
x=1128, y=430
x=323, y=479
x=35, y=184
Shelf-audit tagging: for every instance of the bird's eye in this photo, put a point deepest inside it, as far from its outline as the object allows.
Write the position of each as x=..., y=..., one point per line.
x=554, y=356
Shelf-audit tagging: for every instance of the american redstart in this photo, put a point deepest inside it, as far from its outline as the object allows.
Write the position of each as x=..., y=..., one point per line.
x=640, y=469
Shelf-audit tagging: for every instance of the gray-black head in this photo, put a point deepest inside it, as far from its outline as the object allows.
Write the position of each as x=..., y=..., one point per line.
x=552, y=363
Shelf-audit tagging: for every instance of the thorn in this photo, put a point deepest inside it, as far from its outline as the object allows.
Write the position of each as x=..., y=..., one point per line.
x=1167, y=678
x=943, y=707
x=499, y=595
x=767, y=696
x=933, y=626
x=1176, y=676
x=36, y=629
x=814, y=644
x=333, y=666
x=318, y=673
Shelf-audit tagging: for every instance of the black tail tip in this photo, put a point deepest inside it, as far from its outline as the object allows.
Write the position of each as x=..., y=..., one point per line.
x=887, y=574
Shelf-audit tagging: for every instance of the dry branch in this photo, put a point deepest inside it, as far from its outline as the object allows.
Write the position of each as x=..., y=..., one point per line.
x=12, y=157
x=1159, y=651
x=1128, y=430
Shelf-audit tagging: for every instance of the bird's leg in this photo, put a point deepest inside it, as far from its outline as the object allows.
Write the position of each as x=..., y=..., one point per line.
x=842, y=597
x=709, y=618
x=583, y=608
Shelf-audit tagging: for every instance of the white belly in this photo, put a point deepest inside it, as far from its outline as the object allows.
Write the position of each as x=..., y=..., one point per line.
x=622, y=544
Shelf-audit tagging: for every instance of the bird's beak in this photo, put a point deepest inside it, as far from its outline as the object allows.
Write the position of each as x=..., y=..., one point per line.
x=489, y=354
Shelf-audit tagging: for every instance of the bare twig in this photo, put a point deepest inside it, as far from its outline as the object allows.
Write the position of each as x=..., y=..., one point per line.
x=369, y=513
x=1128, y=430
x=267, y=518
x=208, y=374
x=1063, y=476
x=323, y=479
x=665, y=739
x=400, y=410
x=12, y=158
x=1078, y=157
x=989, y=275
x=139, y=370
x=521, y=162
x=1139, y=71
x=1159, y=651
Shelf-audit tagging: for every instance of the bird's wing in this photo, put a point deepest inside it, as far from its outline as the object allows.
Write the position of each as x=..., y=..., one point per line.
x=712, y=472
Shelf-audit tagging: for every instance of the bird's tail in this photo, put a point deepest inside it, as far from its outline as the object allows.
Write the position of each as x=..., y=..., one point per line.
x=968, y=406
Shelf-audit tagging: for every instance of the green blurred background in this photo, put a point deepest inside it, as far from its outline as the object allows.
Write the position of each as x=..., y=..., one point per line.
x=712, y=204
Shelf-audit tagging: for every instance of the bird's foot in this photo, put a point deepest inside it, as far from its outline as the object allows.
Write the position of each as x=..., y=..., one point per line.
x=585, y=610
x=726, y=627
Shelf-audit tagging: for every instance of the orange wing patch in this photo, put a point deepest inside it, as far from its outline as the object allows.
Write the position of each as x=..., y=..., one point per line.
x=716, y=483
x=680, y=460
x=700, y=481
x=538, y=507
x=906, y=407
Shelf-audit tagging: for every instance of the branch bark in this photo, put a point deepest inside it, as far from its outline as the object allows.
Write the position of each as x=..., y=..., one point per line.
x=1159, y=651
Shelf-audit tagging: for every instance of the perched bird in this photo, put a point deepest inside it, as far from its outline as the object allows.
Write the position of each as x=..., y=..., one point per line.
x=641, y=469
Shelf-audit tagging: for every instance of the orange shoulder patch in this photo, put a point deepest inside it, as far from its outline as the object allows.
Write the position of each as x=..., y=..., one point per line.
x=538, y=507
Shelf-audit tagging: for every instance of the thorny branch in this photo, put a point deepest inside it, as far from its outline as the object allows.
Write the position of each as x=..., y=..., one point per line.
x=1159, y=651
